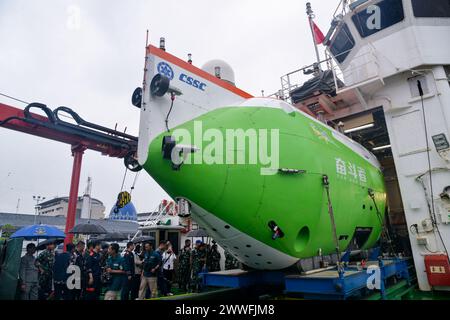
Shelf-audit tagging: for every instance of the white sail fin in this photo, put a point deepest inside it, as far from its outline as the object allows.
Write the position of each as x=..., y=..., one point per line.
x=197, y=92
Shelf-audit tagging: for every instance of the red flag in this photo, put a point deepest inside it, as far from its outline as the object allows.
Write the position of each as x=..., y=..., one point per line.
x=318, y=35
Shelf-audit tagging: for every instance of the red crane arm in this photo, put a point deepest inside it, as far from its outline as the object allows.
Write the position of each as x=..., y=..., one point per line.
x=81, y=136
x=7, y=111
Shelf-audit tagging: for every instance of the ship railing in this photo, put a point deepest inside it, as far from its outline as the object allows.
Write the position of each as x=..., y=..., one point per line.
x=363, y=69
x=152, y=219
x=296, y=78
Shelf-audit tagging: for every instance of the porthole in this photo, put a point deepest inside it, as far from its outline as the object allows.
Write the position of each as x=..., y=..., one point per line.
x=247, y=256
x=214, y=229
x=248, y=246
x=237, y=248
x=259, y=254
x=364, y=207
x=227, y=227
x=268, y=262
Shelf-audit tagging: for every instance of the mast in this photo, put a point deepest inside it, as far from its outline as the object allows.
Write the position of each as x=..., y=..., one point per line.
x=311, y=17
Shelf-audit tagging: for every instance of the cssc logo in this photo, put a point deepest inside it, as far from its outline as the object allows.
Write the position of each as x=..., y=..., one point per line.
x=166, y=70
x=193, y=82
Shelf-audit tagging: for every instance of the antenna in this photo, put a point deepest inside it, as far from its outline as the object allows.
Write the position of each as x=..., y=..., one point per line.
x=142, y=91
x=162, y=43
x=217, y=72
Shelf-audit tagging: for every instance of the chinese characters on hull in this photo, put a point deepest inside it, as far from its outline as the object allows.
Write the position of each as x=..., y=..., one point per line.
x=348, y=171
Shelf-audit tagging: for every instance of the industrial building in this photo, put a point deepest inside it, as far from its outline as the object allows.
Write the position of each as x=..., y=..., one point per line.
x=59, y=205
x=18, y=221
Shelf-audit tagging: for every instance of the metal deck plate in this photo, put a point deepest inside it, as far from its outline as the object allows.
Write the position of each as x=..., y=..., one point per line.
x=234, y=272
x=326, y=274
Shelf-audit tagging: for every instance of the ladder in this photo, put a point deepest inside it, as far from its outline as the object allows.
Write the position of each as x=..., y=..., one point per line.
x=153, y=220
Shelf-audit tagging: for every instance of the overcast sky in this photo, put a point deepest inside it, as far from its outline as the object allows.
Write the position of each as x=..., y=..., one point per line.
x=93, y=63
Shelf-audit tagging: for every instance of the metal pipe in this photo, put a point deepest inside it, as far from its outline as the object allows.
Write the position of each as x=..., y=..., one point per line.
x=311, y=16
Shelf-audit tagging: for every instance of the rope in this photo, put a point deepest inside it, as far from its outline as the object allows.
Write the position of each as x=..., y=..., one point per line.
x=384, y=232
x=134, y=182
x=12, y=98
x=3, y=122
x=123, y=181
x=326, y=184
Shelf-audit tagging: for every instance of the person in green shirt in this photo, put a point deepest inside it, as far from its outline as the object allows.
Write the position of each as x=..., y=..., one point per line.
x=151, y=266
x=115, y=267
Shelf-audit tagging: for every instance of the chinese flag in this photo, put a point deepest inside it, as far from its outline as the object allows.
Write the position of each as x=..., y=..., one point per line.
x=318, y=35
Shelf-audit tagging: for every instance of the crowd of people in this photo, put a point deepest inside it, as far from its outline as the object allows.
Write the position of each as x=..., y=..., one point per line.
x=139, y=272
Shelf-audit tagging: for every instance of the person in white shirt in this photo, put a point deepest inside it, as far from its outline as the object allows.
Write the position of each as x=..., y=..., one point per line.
x=168, y=261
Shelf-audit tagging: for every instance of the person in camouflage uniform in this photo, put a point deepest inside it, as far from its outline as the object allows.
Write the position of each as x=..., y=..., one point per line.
x=230, y=261
x=213, y=260
x=198, y=263
x=44, y=263
x=184, y=266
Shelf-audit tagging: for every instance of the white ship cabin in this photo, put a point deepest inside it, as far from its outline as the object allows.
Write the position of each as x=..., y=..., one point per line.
x=372, y=40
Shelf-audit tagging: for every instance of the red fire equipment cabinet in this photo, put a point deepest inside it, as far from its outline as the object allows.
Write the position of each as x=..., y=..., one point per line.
x=438, y=270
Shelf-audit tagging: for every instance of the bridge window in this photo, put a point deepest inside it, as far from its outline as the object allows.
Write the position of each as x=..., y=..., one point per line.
x=431, y=9
x=342, y=44
x=378, y=17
